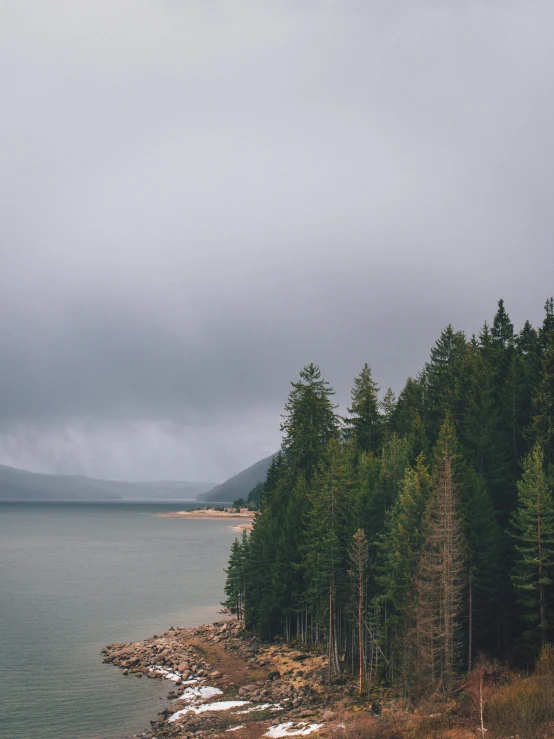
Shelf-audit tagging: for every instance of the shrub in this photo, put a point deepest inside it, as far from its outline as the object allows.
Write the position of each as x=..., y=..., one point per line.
x=524, y=708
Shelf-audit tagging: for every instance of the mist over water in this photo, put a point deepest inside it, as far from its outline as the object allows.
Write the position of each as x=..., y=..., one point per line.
x=75, y=577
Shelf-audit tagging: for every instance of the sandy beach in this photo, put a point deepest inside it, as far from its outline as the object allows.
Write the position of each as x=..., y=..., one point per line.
x=209, y=514
x=241, y=521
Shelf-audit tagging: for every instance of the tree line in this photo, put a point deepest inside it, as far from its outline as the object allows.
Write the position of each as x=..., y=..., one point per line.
x=416, y=533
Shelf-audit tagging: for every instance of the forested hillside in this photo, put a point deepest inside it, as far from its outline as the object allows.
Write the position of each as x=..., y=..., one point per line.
x=239, y=485
x=417, y=533
x=23, y=486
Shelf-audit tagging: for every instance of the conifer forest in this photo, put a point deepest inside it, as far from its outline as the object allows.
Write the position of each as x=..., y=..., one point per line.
x=414, y=535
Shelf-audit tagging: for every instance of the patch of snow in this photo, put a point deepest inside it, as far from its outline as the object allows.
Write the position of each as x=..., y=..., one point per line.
x=208, y=692
x=287, y=729
x=235, y=728
x=202, y=693
x=219, y=706
x=156, y=669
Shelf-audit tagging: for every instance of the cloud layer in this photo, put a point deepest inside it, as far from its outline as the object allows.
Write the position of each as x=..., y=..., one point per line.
x=198, y=198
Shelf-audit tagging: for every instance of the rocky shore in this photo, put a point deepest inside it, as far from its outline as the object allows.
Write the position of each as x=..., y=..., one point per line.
x=224, y=680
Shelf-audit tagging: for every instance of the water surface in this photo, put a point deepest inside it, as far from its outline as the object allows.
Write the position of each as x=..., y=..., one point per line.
x=75, y=577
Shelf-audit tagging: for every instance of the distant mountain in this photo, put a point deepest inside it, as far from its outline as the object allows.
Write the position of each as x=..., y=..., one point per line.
x=20, y=485
x=239, y=485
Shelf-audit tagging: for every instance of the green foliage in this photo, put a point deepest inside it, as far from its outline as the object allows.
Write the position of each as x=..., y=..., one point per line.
x=533, y=523
x=543, y=402
x=431, y=484
x=235, y=584
x=309, y=422
x=365, y=425
x=328, y=531
x=255, y=495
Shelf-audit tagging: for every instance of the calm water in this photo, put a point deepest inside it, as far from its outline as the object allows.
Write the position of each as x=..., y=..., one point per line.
x=74, y=578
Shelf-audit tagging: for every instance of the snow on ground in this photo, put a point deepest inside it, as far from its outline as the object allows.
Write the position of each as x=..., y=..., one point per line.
x=235, y=728
x=175, y=676
x=218, y=706
x=302, y=729
x=193, y=694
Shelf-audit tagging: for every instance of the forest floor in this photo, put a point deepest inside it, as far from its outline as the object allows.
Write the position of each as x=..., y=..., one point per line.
x=227, y=683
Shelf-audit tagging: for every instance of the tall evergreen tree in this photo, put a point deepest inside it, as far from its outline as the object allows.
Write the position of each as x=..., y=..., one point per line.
x=547, y=328
x=443, y=374
x=533, y=524
x=388, y=405
x=328, y=534
x=440, y=579
x=400, y=552
x=543, y=403
x=235, y=584
x=309, y=422
x=407, y=418
x=364, y=424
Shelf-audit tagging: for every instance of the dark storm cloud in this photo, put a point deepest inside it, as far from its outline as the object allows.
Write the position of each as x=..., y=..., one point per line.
x=198, y=198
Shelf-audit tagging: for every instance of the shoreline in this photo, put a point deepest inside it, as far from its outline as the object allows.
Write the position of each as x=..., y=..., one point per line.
x=223, y=680
x=245, y=517
x=208, y=514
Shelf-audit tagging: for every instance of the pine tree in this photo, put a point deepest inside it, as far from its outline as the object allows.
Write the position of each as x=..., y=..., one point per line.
x=365, y=423
x=533, y=524
x=388, y=405
x=440, y=578
x=309, y=422
x=546, y=331
x=327, y=538
x=543, y=403
x=527, y=342
x=443, y=374
x=407, y=417
x=400, y=551
x=379, y=482
x=502, y=328
x=235, y=584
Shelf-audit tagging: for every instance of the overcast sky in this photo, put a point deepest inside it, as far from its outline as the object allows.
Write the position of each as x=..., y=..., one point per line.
x=198, y=198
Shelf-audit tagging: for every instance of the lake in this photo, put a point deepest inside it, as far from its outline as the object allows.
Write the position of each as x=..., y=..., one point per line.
x=75, y=577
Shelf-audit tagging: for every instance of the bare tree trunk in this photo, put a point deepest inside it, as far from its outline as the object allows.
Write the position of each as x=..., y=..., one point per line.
x=470, y=625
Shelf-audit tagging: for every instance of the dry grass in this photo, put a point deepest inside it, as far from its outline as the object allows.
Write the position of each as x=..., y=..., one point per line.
x=507, y=704
x=524, y=708
x=368, y=727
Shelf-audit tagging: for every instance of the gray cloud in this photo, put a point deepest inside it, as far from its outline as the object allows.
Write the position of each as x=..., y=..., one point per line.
x=198, y=198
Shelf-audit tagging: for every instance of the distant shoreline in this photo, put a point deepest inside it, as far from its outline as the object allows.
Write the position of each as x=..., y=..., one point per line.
x=210, y=514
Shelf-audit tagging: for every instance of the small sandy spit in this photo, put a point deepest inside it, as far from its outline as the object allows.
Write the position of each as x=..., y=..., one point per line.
x=242, y=521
